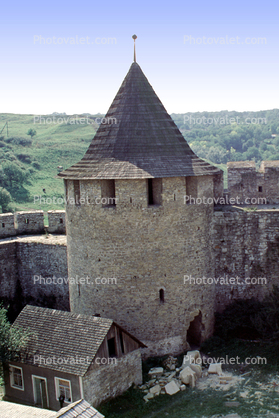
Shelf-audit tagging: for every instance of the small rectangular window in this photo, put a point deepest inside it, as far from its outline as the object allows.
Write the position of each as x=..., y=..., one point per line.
x=260, y=189
x=3, y=225
x=108, y=193
x=16, y=377
x=191, y=189
x=112, y=347
x=77, y=192
x=154, y=191
x=63, y=387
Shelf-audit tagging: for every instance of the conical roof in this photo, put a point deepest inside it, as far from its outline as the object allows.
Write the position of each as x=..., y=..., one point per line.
x=138, y=140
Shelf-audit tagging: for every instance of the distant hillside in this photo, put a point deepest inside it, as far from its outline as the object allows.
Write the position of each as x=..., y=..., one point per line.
x=55, y=144
x=29, y=165
x=232, y=136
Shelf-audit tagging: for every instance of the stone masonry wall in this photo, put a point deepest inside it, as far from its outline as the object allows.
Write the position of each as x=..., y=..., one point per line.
x=8, y=269
x=254, y=187
x=7, y=227
x=245, y=244
x=32, y=222
x=113, y=379
x=146, y=249
x=29, y=222
x=56, y=222
x=26, y=262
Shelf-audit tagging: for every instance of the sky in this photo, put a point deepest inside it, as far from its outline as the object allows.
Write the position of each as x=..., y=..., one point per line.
x=198, y=56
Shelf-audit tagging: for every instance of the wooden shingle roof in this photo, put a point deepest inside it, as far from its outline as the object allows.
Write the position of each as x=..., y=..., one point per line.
x=79, y=409
x=65, y=341
x=138, y=139
x=14, y=410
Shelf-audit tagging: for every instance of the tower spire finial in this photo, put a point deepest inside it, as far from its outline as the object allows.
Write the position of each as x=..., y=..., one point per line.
x=134, y=38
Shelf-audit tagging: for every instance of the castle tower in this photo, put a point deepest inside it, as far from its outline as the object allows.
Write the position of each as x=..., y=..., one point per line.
x=130, y=223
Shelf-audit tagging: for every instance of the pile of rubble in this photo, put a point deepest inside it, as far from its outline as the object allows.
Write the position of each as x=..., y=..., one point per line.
x=173, y=379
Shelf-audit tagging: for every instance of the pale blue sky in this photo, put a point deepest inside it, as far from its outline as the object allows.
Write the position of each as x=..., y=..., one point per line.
x=179, y=48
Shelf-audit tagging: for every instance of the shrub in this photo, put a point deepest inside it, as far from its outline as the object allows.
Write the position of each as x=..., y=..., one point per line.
x=24, y=142
x=25, y=158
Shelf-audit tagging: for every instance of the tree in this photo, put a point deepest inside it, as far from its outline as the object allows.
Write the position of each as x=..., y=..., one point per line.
x=12, y=340
x=32, y=132
x=14, y=174
x=5, y=199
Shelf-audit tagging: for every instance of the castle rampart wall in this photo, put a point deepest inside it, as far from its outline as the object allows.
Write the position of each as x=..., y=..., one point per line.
x=245, y=245
x=27, y=267
x=32, y=222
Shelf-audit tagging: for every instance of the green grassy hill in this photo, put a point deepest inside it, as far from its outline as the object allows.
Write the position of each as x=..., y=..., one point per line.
x=54, y=145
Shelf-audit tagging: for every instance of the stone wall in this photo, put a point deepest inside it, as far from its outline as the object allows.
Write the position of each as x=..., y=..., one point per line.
x=29, y=222
x=246, y=245
x=8, y=269
x=147, y=249
x=254, y=187
x=26, y=263
x=56, y=222
x=112, y=379
x=7, y=227
x=32, y=222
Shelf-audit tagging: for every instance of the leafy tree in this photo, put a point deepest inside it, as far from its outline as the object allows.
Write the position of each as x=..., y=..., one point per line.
x=5, y=199
x=14, y=174
x=12, y=340
x=32, y=132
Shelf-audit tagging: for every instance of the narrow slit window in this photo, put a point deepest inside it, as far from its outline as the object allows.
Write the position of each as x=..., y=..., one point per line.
x=77, y=192
x=162, y=295
x=108, y=193
x=121, y=341
x=154, y=191
x=260, y=189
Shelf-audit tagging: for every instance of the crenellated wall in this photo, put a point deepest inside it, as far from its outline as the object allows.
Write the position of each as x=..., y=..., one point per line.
x=32, y=222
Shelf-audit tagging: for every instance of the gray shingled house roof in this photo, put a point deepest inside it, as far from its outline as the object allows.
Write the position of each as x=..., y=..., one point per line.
x=142, y=141
x=79, y=409
x=65, y=341
x=14, y=410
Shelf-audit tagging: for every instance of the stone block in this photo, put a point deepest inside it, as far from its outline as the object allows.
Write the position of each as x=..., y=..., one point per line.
x=156, y=372
x=188, y=376
x=197, y=369
x=155, y=389
x=215, y=368
x=171, y=388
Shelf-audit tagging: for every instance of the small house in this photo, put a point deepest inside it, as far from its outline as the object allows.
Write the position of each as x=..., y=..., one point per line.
x=71, y=357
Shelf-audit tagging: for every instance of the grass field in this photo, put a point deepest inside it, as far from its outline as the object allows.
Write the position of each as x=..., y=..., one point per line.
x=54, y=145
